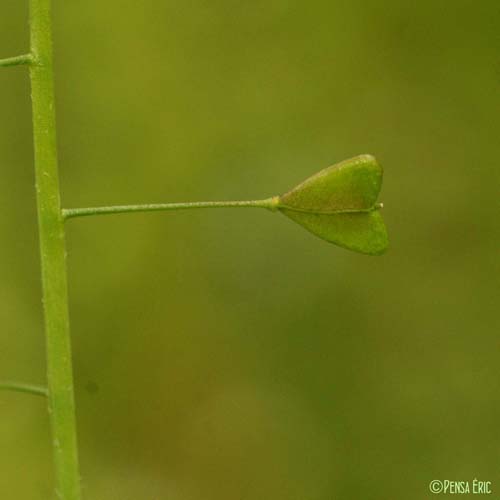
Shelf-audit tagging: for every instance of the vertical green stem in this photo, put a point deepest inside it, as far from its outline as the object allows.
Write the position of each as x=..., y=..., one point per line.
x=53, y=256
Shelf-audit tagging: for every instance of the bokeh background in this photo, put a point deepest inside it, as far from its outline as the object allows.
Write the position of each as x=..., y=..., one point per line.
x=231, y=355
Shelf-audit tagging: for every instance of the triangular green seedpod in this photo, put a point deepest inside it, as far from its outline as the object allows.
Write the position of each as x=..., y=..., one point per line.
x=339, y=204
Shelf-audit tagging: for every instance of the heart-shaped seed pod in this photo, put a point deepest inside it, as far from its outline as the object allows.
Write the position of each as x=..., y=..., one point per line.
x=339, y=204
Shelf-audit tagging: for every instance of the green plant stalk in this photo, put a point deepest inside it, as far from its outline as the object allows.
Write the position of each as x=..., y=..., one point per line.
x=269, y=203
x=16, y=61
x=53, y=256
x=36, y=390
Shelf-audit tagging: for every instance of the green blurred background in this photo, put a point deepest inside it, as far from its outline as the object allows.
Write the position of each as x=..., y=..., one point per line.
x=230, y=355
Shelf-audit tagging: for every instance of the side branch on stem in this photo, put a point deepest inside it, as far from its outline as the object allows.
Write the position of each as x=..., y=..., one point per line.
x=25, y=59
x=27, y=388
x=68, y=213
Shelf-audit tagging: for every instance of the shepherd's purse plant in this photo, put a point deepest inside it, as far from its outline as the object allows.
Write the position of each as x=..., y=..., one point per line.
x=338, y=204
